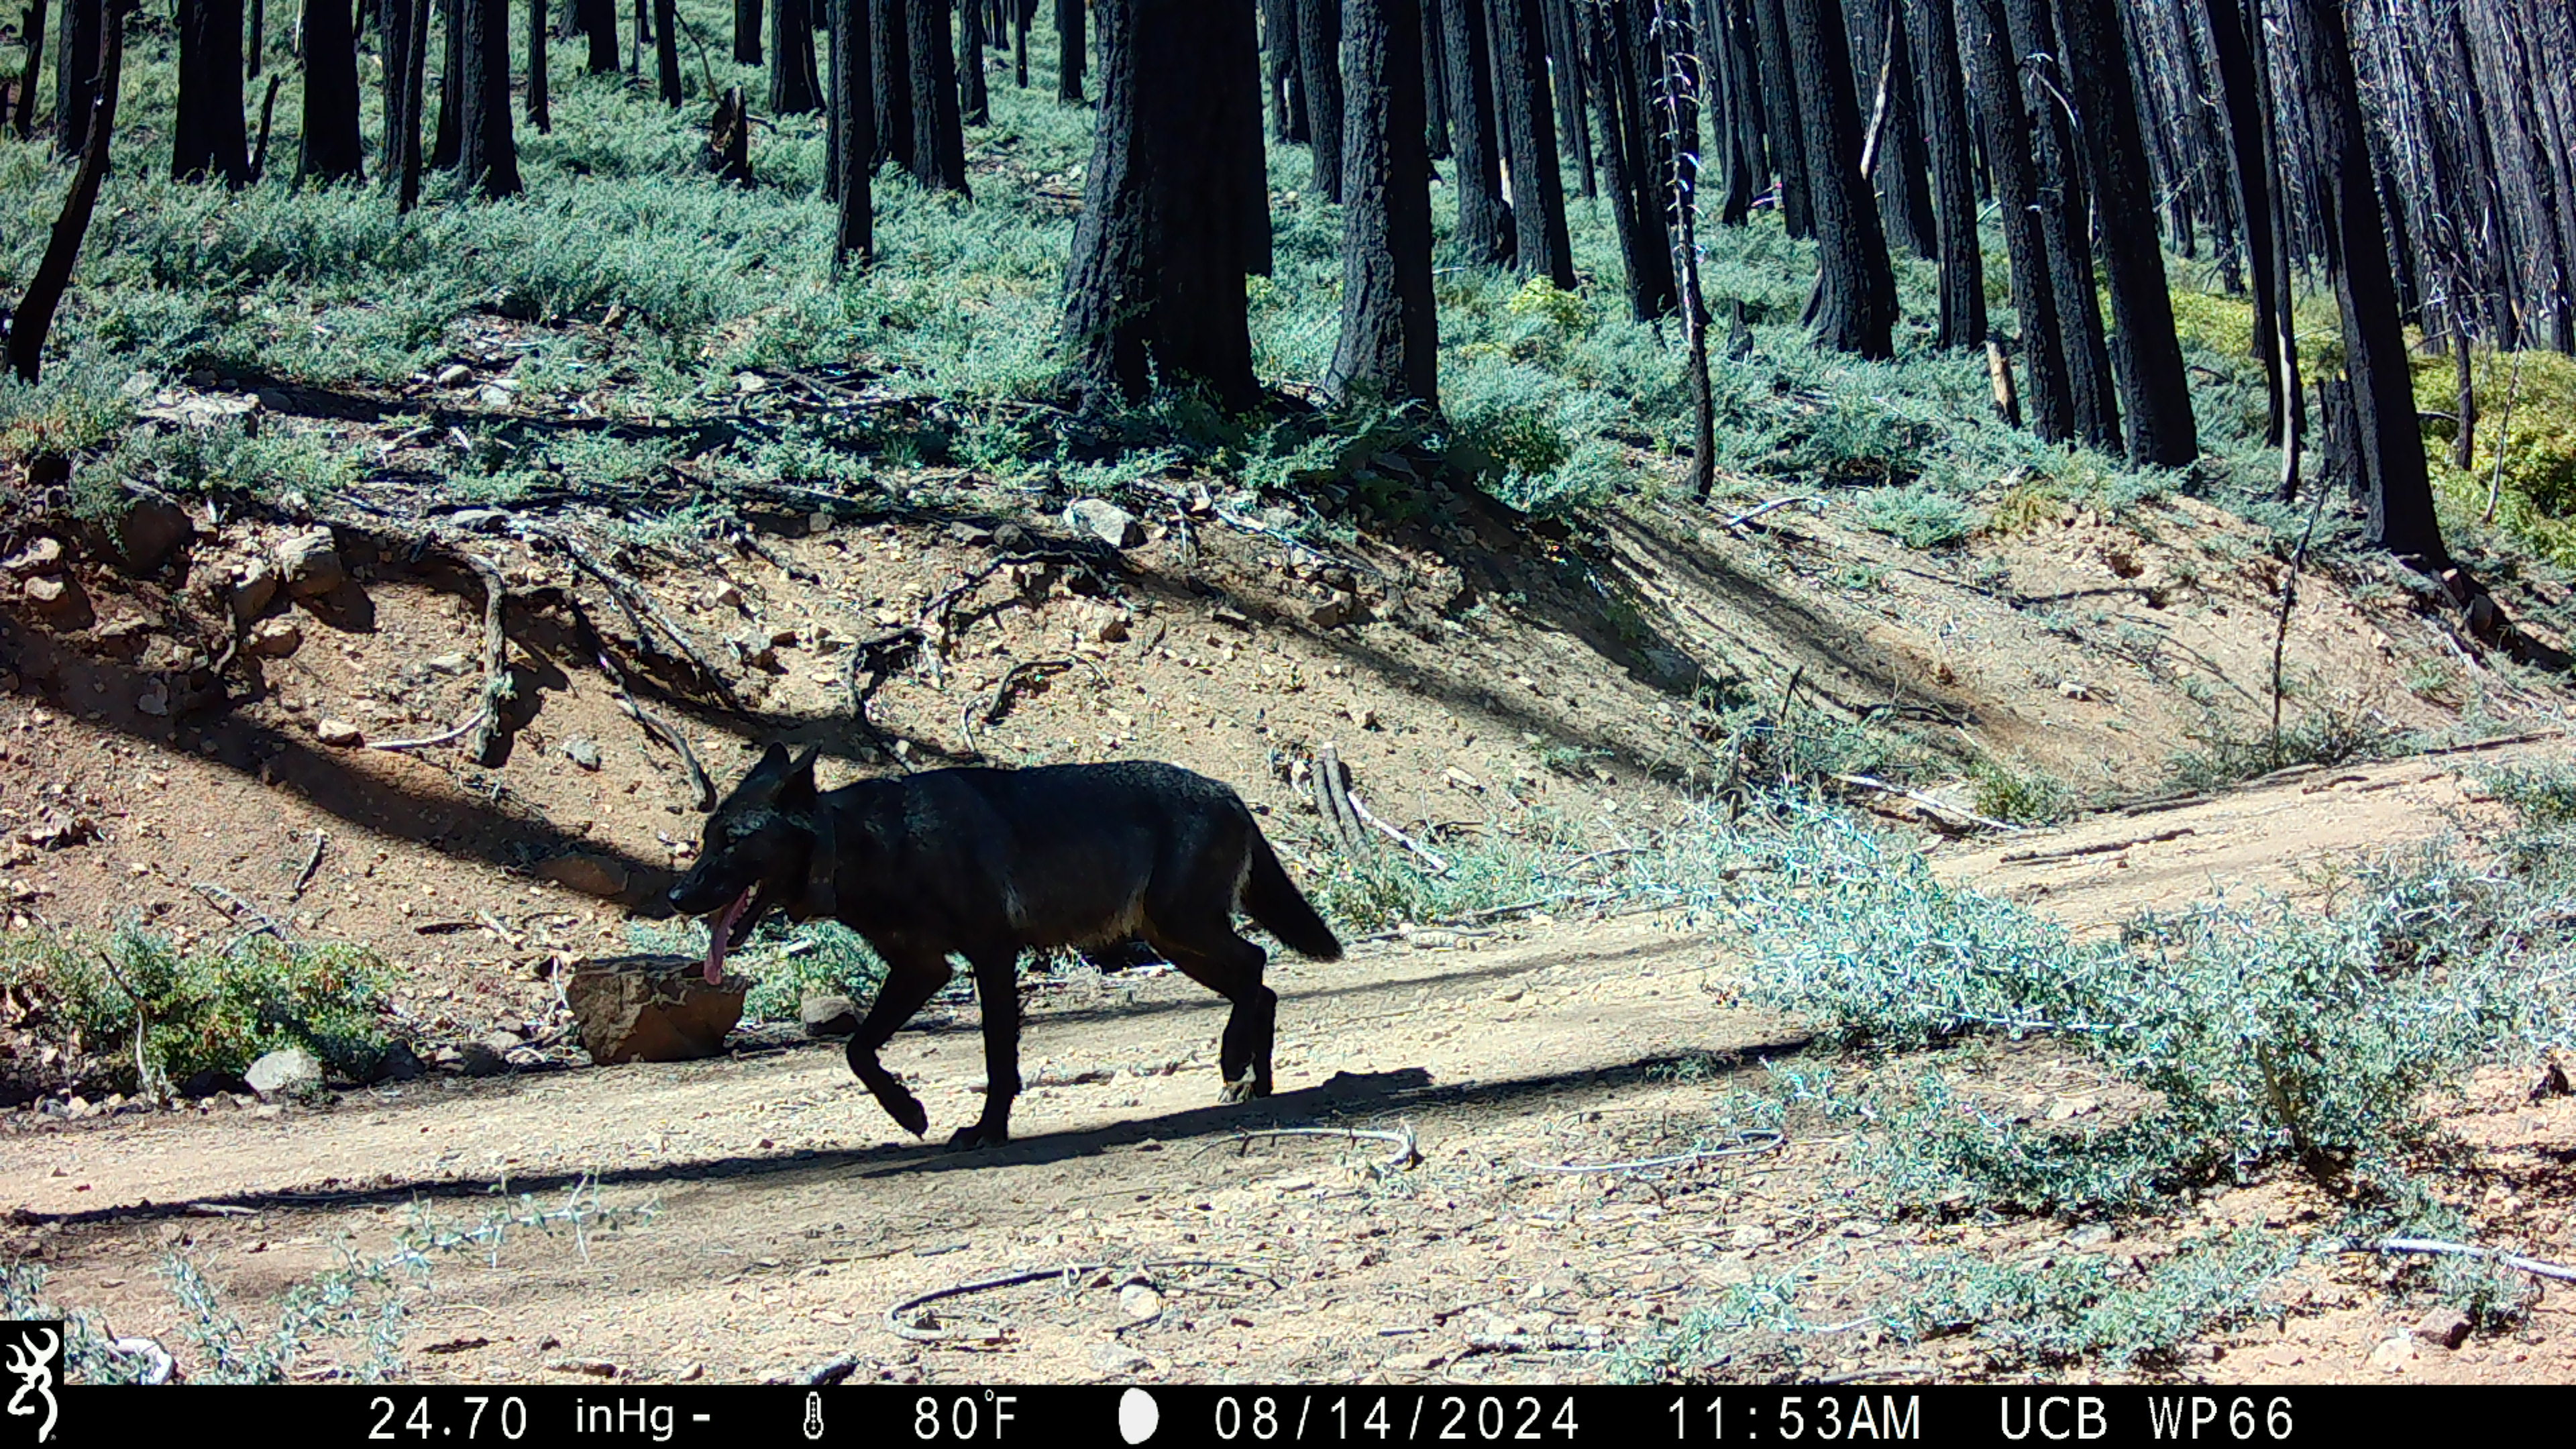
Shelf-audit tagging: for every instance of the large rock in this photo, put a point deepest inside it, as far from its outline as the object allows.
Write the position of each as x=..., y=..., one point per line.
x=254, y=588
x=828, y=1016
x=151, y=532
x=1104, y=520
x=652, y=1009
x=310, y=563
x=42, y=555
x=286, y=1072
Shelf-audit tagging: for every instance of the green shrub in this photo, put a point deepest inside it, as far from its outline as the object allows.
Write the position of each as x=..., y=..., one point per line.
x=1917, y=516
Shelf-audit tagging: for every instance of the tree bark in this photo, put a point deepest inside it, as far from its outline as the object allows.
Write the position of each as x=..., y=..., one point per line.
x=599, y=23
x=78, y=55
x=1485, y=231
x=1435, y=81
x=539, y=107
x=1155, y=288
x=207, y=134
x=2063, y=210
x=486, y=154
x=1783, y=110
x=1319, y=52
x=1566, y=80
x=1070, y=51
x=666, y=52
x=1680, y=76
x=332, y=151
x=1856, y=290
x=746, y=32
x=890, y=56
x=2250, y=166
x=794, y=89
x=34, y=316
x=854, y=235
x=446, y=142
x=974, y=104
x=2154, y=396
x=2000, y=110
x=1935, y=33
x=2386, y=444
x=405, y=159
x=1390, y=342
x=35, y=67
x=1541, y=247
x=938, y=136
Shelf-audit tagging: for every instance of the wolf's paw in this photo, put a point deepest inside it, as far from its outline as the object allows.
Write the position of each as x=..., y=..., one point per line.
x=967, y=1139
x=1242, y=1089
x=900, y=1104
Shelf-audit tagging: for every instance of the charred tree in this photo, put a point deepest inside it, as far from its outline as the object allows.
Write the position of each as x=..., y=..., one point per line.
x=974, y=103
x=2385, y=443
x=1934, y=31
x=854, y=118
x=1070, y=51
x=1390, y=343
x=1155, y=290
x=2155, y=399
x=1783, y=112
x=2016, y=190
x=206, y=135
x=1566, y=80
x=890, y=68
x=539, y=109
x=34, y=68
x=2063, y=212
x=446, y=143
x=599, y=24
x=1726, y=38
x=666, y=52
x=404, y=158
x=938, y=135
x=79, y=54
x=2250, y=166
x=794, y=89
x=1319, y=54
x=1541, y=247
x=34, y=316
x=487, y=156
x=1856, y=287
x=746, y=32
x=1435, y=81
x=1485, y=231
x=1622, y=91
x=1677, y=103
x=332, y=151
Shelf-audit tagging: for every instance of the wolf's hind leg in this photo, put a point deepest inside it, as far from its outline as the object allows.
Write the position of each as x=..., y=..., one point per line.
x=909, y=983
x=1225, y=963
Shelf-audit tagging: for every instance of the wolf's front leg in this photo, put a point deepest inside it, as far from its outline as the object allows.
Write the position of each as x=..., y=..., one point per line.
x=909, y=983
x=997, y=988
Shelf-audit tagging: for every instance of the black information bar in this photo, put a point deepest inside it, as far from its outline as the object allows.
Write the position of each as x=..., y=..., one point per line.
x=525, y=1417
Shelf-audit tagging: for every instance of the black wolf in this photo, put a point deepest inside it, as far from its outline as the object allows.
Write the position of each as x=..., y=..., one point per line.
x=987, y=863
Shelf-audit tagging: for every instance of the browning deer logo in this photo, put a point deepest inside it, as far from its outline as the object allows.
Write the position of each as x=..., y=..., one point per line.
x=30, y=1350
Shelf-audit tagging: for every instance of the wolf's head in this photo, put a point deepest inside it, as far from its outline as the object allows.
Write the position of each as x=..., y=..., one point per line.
x=757, y=851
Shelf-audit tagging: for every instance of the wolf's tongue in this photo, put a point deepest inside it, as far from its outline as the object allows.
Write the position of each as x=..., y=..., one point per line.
x=720, y=936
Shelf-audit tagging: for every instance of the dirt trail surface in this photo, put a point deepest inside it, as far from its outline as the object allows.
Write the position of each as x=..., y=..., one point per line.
x=791, y=1215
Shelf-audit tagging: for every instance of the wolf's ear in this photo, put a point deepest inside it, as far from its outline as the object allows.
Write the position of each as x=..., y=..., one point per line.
x=797, y=790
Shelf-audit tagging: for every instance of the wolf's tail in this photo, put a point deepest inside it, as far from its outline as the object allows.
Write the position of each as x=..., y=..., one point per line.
x=1272, y=899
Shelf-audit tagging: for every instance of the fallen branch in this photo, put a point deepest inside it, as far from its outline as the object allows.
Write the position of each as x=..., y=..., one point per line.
x=238, y=908
x=312, y=863
x=2518, y=1263
x=497, y=688
x=1868, y=782
x=1409, y=1154
x=472, y=724
x=1429, y=856
x=638, y=607
x=1770, y=1141
x=654, y=729
x=1333, y=801
x=1750, y=514
x=894, y=1316
x=2026, y=857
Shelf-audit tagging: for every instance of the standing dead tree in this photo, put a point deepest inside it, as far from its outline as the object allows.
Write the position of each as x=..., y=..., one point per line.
x=34, y=316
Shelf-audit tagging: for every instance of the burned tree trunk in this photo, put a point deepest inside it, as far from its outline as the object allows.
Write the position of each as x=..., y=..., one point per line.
x=206, y=134
x=1155, y=290
x=79, y=54
x=1856, y=287
x=2154, y=397
x=746, y=32
x=1435, y=81
x=2385, y=444
x=853, y=116
x=1070, y=48
x=34, y=316
x=1319, y=55
x=890, y=68
x=794, y=89
x=1542, y=246
x=666, y=51
x=974, y=103
x=487, y=155
x=938, y=135
x=2063, y=209
x=2016, y=188
x=405, y=158
x=599, y=23
x=1783, y=111
x=1390, y=343
x=34, y=68
x=539, y=110
x=1935, y=33
x=1485, y=230
x=332, y=151
x=2250, y=158
x=446, y=141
